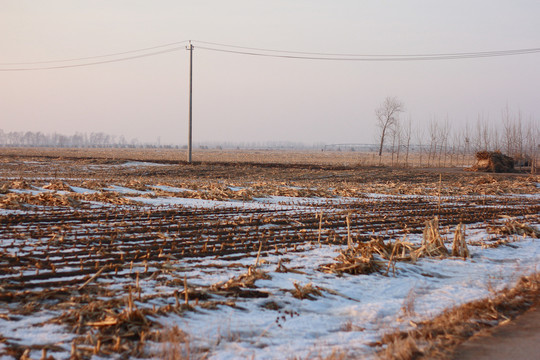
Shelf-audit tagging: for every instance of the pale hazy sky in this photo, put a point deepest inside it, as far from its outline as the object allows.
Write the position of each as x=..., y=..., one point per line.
x=244, y=98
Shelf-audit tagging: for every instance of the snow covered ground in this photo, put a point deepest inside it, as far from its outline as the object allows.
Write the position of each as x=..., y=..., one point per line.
x=353, y=310
x=347, y=314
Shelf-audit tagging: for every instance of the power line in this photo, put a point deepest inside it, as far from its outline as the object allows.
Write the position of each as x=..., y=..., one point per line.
x=378, y=58
x=96, y=62
x=97, y=56
x=273, y=53
x=495, y=52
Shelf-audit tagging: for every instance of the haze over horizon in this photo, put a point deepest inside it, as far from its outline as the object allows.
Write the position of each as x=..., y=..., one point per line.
x=241, y=98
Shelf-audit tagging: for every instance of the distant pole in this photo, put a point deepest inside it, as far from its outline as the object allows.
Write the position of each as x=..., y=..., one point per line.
x=190, y=48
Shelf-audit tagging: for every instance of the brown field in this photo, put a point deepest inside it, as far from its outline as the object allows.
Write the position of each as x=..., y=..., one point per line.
x=353, y=171
x=311, y=157
x=56, y=244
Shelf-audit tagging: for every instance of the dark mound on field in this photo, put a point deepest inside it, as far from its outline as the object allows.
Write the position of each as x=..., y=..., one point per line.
x=493, y=161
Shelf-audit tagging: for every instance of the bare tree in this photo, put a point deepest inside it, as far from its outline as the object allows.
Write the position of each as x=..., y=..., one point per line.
x=433, y=140
x=484, y=134
x=387, y=116
x=507, y=121
x=396, y=141
x=532, y=134
x=407, y=139
x=456, y=147
x=467, y=143
x=420, y=136
x=444, y=134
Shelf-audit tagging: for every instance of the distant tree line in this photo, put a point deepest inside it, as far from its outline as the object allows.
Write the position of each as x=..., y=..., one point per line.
x=102, y=140
x=78, y=140
x=441, y=144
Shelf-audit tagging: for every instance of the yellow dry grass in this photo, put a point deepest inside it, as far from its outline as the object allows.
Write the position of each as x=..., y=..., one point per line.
x=438, y=337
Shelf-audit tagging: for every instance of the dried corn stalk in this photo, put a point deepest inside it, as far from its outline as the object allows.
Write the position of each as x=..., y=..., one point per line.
x=246, y=280
x=17, y=201
x=513, y=227
x=353, y=261
x=57, y=186
x=20, y=185
x=308, y=291
x=432, y=242
x=4, y=189
x=459, y=246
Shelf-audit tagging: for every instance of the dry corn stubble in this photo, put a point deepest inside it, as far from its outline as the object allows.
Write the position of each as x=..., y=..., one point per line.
x=20, y=201
x=353, y=261
x=459, y=246
x=277, y=180
x=432, y=242
x=308, y=291
x=246, y=280
x=57, y=186
x=361, y=258
x=514, y=227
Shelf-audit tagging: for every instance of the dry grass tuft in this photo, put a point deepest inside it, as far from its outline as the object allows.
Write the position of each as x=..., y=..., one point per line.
x=401, y=349
x=438, y=337
x=176, y=345
x=334, y=355
x=408, y=307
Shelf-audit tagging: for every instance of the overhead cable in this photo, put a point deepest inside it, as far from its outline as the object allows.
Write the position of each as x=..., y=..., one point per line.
x=495, y=52
x=97, y=56
x=241, y=50
x=95, y=62
x=378, y=58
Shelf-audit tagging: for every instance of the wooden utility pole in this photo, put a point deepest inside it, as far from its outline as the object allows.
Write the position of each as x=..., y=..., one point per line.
x=190, y=48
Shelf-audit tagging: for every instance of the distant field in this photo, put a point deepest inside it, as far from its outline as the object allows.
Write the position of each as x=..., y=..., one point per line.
x=345, y=157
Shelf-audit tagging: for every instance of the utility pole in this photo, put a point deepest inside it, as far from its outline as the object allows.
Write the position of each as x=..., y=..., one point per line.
x=190, y=48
